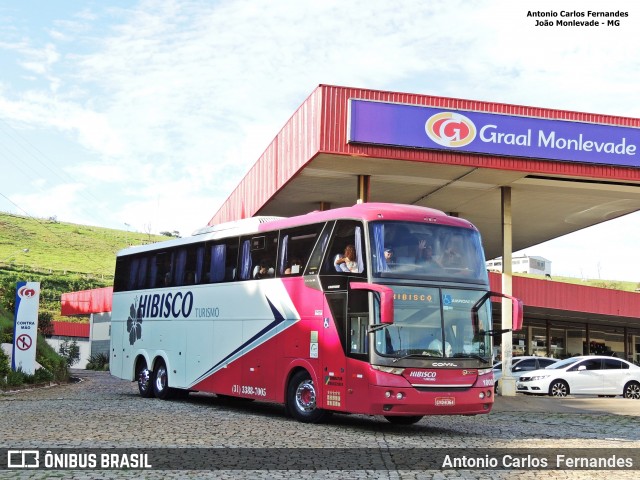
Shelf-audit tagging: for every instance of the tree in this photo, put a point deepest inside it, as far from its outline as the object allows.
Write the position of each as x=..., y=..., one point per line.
x=45, y=323
x=70, y=351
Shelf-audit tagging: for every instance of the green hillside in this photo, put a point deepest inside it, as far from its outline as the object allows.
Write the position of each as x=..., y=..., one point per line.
x=63, y=257
x=47, y=246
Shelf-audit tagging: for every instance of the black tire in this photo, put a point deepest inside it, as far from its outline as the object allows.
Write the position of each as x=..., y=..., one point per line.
x=632, y=390
x=404, y=420
x=301, y=399
x=559, y=388
x=144, y=378
x=161, y=381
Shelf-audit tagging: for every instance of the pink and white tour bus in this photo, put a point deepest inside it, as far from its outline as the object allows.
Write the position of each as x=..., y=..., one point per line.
x=376, y=309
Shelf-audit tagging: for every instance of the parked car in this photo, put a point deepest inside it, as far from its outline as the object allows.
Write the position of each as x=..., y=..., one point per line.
x=586, y=375
x=520, y=365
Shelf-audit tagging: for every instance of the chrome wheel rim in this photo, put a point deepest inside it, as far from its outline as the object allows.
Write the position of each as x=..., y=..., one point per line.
x=144, y=380
x=161, y=379
x=306, y=396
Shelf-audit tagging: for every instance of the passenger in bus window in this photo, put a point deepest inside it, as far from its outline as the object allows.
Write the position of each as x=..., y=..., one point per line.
x=348, y=259
x=453, y=255
x=261, y=270
x=294, y=268
x=424, y=255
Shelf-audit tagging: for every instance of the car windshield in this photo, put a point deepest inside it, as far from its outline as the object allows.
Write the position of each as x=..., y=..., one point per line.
x=563, y=363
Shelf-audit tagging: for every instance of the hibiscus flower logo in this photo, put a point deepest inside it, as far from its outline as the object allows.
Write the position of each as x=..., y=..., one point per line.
x=134, y=323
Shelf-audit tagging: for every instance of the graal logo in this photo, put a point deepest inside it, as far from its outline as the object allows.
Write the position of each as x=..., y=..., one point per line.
x=450, y=129
x=25, y=292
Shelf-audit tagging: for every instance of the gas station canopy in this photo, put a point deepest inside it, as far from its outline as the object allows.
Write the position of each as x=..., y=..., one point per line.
x=565, y=170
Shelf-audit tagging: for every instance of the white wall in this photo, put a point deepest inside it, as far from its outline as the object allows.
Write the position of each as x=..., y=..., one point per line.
x=83, y=343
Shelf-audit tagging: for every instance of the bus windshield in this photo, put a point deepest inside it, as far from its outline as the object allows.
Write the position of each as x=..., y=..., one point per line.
x=435, y=322
x=420, y=251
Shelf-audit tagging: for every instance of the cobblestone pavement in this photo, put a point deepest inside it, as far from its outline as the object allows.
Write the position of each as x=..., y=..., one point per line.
x=105, y=412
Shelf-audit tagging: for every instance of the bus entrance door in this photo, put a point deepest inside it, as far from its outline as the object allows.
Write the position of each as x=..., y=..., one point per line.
x=331, y=352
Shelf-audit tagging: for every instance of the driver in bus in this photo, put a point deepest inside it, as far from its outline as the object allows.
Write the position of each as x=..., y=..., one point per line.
x=436, y=346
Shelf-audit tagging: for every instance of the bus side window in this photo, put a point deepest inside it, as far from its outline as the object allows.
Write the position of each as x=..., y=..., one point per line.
x=296, y=245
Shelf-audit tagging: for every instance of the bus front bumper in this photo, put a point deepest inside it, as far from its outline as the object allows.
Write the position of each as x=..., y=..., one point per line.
x=391, y=401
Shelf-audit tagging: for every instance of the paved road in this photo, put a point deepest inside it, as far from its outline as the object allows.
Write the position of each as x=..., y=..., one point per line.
x=104, y=412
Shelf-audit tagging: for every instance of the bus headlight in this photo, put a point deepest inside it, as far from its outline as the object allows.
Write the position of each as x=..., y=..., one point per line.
x=393, y=370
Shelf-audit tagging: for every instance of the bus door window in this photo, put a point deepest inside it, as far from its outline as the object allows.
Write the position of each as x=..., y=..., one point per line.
x=358, y=324
x=347, y=237
x=315, y=260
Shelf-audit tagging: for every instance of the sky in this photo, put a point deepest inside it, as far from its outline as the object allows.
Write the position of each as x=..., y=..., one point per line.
x=145, y=115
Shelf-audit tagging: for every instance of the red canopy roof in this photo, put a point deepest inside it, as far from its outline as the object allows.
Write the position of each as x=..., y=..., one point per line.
x=70, y=329
x=86, y=302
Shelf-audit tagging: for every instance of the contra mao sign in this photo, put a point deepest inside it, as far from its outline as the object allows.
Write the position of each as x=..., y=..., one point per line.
x=25, y=327
x=492, y=134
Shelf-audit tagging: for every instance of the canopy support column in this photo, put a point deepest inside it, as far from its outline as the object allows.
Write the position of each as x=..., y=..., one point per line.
x=364, y=184
x=507, y=382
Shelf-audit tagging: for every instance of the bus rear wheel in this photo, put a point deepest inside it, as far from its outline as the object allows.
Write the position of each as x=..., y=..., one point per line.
x=143, y=375
x=403, y=420
x=301, y=399
x=161, y=381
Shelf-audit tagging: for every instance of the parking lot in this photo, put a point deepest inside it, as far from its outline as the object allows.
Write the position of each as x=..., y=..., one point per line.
x=104, y=412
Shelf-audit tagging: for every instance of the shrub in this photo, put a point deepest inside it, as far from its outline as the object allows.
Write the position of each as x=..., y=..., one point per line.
x=98, y=361
x=5, y=368
x=49, y=359
x=42, y=375
x=17, y=378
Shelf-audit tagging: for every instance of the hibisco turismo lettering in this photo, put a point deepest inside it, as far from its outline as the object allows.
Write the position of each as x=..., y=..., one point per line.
x=450, y=129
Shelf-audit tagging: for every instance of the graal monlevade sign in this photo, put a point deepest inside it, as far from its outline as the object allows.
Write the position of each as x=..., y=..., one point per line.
x=494, y=134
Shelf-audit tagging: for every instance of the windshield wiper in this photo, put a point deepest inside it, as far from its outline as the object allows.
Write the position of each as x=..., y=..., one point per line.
x=413, y=355
x=470, y=355
x=379, y=326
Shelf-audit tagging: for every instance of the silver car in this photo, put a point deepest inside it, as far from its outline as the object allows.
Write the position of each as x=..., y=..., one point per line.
x=586, y=375
x=521, y=365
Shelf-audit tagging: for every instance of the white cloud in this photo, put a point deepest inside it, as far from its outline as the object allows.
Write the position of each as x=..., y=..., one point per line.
x=173, y=101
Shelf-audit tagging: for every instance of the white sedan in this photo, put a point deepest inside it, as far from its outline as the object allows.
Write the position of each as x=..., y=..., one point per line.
x=586, y=375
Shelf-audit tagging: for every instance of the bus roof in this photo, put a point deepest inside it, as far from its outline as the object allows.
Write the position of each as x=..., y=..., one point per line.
x=363, y=211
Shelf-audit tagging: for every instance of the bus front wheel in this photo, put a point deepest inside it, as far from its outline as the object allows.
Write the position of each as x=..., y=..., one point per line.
x=301, y=399
x=161, y=381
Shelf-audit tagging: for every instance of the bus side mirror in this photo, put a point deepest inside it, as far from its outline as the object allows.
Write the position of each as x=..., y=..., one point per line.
x=386, y=299
x=517, y=313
